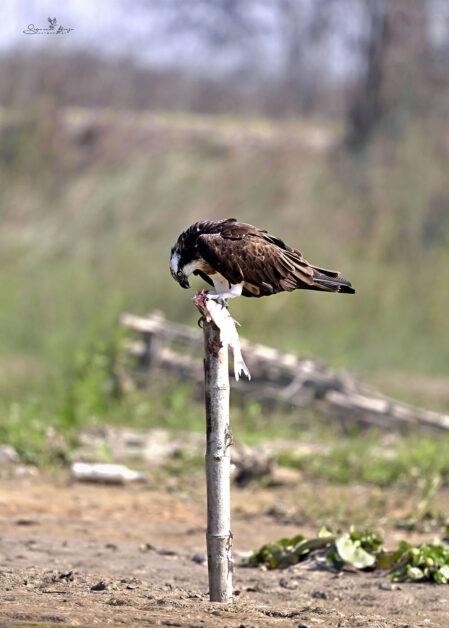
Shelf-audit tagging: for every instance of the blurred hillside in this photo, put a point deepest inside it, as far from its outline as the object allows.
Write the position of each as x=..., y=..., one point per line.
x=95, y=199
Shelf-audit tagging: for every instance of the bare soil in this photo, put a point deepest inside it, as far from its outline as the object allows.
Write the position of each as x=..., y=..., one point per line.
x=74, y=554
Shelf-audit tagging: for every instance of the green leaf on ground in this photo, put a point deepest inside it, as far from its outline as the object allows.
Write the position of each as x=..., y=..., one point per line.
x=361, y=549
x=352, y=553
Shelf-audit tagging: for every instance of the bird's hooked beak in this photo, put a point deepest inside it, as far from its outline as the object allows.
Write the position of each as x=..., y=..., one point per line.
x=178, y=273
x=181, y=278
x=183, y=281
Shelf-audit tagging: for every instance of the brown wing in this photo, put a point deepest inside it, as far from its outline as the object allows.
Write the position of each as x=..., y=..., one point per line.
x=264, y=263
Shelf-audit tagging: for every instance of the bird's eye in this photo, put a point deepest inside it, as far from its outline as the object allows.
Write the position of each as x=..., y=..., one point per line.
x=179, y=273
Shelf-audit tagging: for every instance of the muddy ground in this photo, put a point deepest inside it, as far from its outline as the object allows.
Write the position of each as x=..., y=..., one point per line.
x=75, y=554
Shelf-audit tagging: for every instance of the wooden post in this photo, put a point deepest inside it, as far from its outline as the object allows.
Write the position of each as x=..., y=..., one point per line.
x=218, y=461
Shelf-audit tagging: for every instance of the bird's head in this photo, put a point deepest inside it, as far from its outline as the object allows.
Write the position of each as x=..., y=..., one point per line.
x=178, y=263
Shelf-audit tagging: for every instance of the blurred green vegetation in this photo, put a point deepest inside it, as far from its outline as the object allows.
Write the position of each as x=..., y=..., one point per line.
x=44, y=428
x=361, y=457
x=86, y=230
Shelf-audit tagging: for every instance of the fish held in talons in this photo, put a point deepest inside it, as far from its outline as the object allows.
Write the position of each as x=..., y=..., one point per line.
x=214, y=311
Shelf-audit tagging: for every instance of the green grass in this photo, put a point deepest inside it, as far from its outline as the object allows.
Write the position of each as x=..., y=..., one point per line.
x=88, y=394
x=414, y=459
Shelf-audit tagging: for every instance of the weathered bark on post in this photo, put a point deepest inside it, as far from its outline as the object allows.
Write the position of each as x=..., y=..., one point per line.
x=218, y=461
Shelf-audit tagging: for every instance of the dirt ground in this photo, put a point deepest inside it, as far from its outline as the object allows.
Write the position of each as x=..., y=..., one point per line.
x=75, y=554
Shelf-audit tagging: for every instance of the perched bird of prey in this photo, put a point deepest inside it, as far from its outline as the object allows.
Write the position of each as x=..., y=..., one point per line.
x=239, y=259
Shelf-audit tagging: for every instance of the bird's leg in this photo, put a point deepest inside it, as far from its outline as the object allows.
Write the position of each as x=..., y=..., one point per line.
x=219, y=298
x=223, y=297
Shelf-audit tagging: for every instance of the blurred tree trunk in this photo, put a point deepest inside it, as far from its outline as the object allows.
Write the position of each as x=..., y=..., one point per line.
x=366, y=109
x=302, y=30
x=396, y=68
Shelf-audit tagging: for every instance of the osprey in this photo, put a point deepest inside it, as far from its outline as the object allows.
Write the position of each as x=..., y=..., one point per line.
x=239, y=259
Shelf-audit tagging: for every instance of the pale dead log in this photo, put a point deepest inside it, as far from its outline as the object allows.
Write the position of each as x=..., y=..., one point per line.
x=105, y=473
x=347, y=407
x=220, y=334
x=283, y=377
x=265, y=363
x=218, y=465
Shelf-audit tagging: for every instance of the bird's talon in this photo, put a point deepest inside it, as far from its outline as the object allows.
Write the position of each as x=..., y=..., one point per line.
x=223, y=302
x=218, y=299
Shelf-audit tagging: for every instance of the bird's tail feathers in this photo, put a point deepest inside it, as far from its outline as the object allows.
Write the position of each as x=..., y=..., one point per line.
x=331, y=280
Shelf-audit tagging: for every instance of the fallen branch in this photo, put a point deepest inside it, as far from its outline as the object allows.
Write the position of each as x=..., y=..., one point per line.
x=276, y=378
